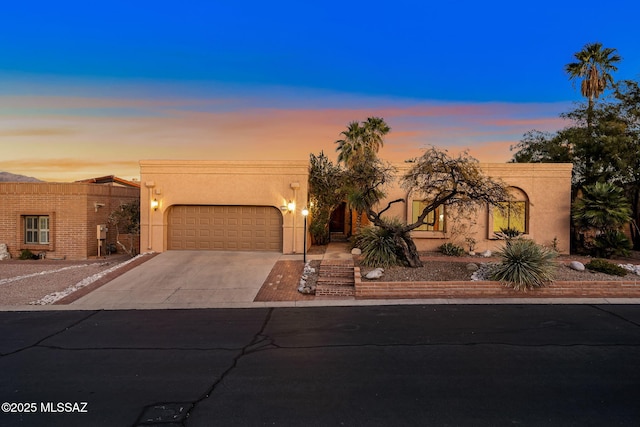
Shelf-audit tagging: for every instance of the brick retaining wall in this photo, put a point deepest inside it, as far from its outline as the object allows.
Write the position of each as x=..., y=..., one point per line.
x=490, y=289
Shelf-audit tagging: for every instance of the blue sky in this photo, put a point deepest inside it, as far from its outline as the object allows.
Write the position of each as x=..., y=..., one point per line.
x=88, y=89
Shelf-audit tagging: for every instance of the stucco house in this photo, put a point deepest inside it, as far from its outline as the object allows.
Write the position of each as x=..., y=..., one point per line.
x=540, y=210
x=61, y=220
x=257, y=205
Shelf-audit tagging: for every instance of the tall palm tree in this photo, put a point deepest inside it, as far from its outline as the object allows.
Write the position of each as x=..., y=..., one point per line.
x=374, y=130
x=361, y=140
x=351, y=143
x=594, y=65
x=358, y=150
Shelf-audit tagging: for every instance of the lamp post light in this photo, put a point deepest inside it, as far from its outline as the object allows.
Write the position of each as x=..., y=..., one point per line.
x=305, y=213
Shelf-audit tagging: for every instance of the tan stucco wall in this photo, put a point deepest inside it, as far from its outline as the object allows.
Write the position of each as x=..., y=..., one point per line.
x=214, y=182
x=548, y=187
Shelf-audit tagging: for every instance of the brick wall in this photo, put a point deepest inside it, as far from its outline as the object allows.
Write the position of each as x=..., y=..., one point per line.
x=72, y=211
x=489, y=289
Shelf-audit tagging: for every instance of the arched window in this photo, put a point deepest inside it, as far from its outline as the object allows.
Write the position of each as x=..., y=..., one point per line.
x=512, y=215
x=435, y=220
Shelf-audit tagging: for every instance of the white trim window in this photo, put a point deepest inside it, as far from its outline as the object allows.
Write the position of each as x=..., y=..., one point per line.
x=36, y=230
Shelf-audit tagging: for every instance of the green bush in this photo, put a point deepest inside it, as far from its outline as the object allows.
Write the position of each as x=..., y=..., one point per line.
x=451, y=249
x=611, y=243
x=604, y=266
x=378, y=247
x=524, y=265
x=27, y=254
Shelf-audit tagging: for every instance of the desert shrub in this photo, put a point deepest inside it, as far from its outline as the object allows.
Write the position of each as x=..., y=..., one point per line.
x=378, y=247
x=27, y=254
x=611, y=243
x=319, y=230
x=508, y=233
x=524, y=265
x=451, y=249
x=604, y=266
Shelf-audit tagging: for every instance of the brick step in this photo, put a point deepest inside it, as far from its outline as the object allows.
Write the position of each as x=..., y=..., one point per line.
x=335, y=290
x=336, y=274
x=349, y=279
x=335, y=284
x=335, y=265
x=338, y=237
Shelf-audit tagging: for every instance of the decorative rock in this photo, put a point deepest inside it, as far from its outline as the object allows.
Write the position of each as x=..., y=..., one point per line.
x=576, y=265
x=356, y=251
x=376, y=273
x=4, y=252
x=472, y=267
x=486, y=253
x=632, y=268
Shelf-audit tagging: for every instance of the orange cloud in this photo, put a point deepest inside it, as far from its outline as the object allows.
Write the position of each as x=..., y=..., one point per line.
x=99, y=142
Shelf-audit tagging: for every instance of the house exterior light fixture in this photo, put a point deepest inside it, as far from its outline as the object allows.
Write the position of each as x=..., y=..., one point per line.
x=155, y=204
x=288, y=207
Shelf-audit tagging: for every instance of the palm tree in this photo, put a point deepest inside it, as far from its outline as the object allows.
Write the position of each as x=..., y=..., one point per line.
x=361, y=140
x=358, y=150
x=594, y=66
x=374, y=130
x=602, y=207
x=351, y=144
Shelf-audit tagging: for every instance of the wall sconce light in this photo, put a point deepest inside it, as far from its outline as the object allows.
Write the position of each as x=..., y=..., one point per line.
x=155, y=204
x=289, y=207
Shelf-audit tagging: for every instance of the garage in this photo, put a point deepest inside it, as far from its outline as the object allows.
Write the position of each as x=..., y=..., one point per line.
x=228, y=228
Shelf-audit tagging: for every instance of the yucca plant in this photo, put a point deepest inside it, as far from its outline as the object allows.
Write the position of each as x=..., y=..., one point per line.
x=378, y=247
x=524, y=265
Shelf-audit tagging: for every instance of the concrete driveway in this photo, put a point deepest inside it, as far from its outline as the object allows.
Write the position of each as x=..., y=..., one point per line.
x=186, y=279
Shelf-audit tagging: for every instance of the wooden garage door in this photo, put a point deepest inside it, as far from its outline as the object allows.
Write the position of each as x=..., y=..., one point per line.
x=228, y=228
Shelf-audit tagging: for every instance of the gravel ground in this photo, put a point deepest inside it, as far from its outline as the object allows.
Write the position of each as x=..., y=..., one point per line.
x=26, y=282
x=455, y=269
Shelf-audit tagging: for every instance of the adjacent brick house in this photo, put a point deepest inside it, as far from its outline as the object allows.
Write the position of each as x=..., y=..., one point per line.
x=60, y=220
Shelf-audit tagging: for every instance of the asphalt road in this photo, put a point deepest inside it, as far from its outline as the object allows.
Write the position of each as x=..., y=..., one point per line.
x=454, y=365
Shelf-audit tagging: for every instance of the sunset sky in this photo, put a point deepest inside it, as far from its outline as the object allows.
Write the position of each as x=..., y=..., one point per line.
x=90, y=88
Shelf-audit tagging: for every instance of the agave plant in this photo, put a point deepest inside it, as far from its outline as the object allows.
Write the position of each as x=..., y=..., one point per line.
x=524, y=265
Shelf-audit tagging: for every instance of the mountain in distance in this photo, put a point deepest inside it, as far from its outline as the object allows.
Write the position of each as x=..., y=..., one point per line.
x=12, y=177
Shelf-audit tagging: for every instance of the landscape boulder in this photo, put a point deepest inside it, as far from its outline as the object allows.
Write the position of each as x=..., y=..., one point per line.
x=356, y=251
x=576, y=265
x=472, y=266
x=376, y=273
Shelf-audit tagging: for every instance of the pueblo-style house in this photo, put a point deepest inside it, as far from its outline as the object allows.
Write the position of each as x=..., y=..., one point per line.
x=258, y=206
